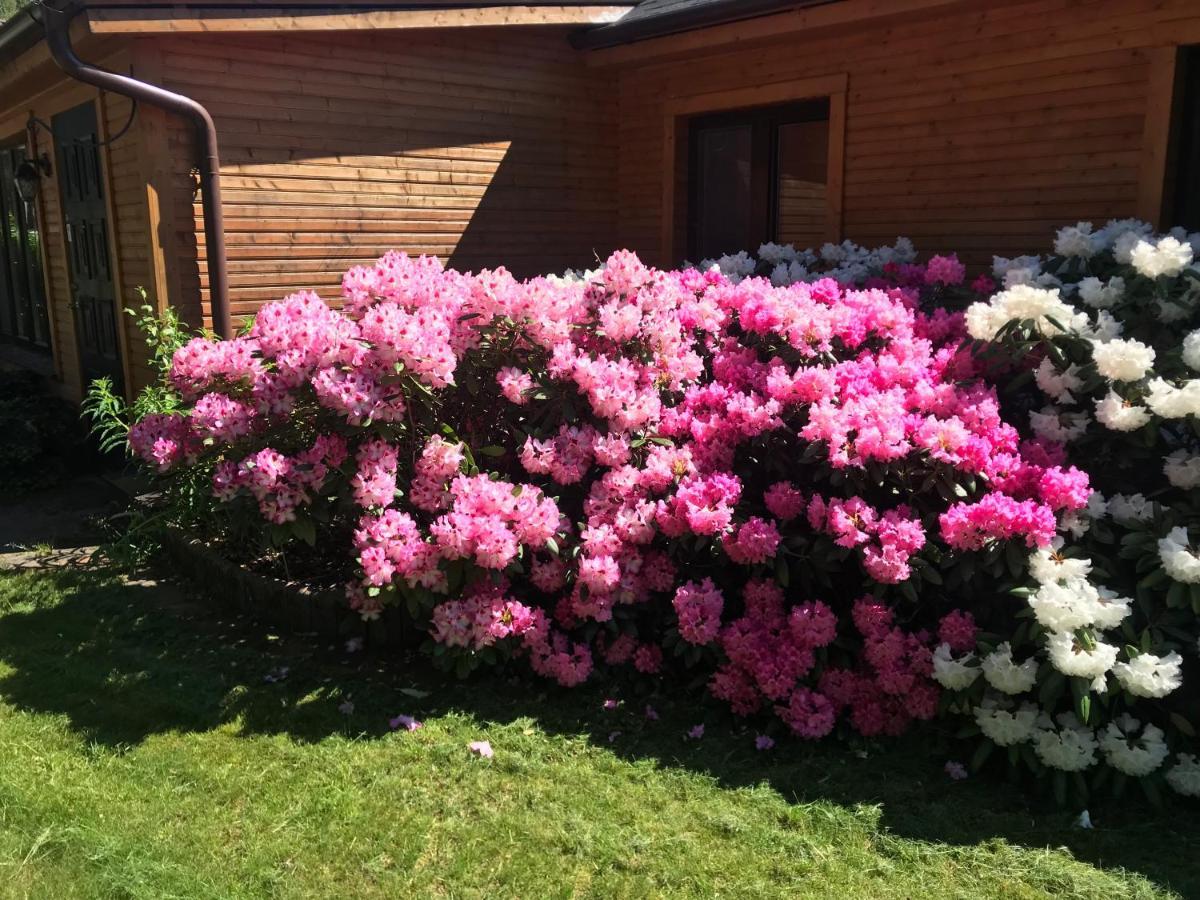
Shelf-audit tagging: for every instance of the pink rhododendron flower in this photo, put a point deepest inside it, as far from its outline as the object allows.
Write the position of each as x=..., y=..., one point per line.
x=698, y=607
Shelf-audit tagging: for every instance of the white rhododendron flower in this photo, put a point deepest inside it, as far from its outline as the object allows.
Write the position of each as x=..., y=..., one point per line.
x=1070, y=747
x=1117, y=414
x=1003, y=725
x=776, y=253
x=1047, y=565
x=1115, y=230
x=1032, y=277
x=1058, y=425
x=983, y=321
x=953, y=674
x=1169, y=256
x=1184, y=776
x=1077, y=603
x=1076, y=240
x=1099, y=295
x=1123, y=360
x=734, y=266
x=1058, y=385
x=1007, y=676
x=1024, y=301
x=1001, y=266
x=1106, y=328
x=833, y=253
x=1178, y=558
x=1173, y=402
x=1069, y=656
x=789, y=273
x=1147, y=675
x=1169, y=311
x=1132, y=753
x=1182, y=469
x=1074, y=524
x=1123, y=246
x=1109, y=610
x=1130, y=508
x=1191, y=350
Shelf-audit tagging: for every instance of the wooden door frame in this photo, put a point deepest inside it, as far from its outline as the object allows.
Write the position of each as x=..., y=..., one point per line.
x=677, y=110
x=1162, y=103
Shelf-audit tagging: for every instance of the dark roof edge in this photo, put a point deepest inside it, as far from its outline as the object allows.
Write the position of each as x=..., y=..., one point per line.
x=19, y=33
x=23, y=31
x=687, y=19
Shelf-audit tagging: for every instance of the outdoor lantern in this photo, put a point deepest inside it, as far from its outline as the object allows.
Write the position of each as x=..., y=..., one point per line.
x=28, y=177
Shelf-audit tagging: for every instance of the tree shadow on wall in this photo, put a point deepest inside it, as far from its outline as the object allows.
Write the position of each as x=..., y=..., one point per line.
x=123, y=661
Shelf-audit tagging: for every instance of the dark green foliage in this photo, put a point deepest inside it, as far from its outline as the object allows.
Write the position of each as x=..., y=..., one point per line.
x=40, y=436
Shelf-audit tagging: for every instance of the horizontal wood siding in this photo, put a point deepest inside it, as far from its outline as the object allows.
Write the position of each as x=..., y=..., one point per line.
x=484, y=147
x=978, y=129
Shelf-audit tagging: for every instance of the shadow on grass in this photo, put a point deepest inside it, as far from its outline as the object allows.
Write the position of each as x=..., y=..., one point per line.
x=125, y=661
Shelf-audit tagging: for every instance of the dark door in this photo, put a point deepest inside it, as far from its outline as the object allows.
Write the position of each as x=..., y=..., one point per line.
x=85, y=216
x=1186, y=188
x=23, y=314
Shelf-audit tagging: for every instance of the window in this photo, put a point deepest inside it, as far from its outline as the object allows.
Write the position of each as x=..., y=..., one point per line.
x=1184, y=186
x=757, y=175
x=23, y=315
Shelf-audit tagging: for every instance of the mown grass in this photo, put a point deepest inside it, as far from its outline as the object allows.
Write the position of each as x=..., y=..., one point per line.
x=144, y=753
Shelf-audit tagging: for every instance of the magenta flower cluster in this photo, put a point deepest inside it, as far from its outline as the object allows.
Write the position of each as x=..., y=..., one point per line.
x=640, y=469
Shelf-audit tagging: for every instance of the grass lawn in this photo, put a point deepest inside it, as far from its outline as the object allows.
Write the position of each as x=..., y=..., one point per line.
x=144, y=753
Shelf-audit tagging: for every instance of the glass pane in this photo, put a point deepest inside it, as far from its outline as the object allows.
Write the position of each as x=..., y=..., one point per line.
x=801, y=164
x=721, y=194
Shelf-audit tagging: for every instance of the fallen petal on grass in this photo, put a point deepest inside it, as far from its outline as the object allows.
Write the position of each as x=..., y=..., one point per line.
x=481, y=748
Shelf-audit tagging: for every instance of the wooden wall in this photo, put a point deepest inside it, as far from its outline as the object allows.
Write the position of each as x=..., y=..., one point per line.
x=978, y=127
x=482, y=146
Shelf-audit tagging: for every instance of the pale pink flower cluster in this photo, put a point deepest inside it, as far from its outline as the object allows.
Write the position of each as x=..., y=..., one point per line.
x=698, y=606
x=972, y=526
x=887, y=540
x=483, y=616
x=278, y=482
x=163, y=441
x=489, y=521
x=946, y=270
x=440, y=461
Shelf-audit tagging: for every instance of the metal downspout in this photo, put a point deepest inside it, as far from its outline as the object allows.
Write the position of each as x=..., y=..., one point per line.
x=58, y=40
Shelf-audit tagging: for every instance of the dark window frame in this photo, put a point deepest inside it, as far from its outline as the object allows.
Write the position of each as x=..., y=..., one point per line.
x=24, y=318
x=765, y=123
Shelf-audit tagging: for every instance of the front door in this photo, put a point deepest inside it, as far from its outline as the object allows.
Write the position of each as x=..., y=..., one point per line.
x=85, y=217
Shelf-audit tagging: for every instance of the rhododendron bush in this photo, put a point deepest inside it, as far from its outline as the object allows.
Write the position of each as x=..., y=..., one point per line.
x=790, y=478
x=1108, y=325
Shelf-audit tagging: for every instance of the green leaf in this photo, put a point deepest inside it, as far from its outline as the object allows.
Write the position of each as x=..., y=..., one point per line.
x=1015, y=559
x=1083, y=708
x=1184, y=726
x=982, y=752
